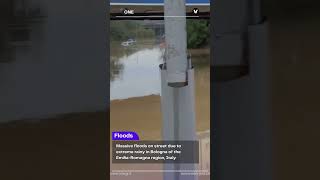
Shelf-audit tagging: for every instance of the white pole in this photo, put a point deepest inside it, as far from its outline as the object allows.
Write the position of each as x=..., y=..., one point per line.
x=177, y=87
x=176, y=40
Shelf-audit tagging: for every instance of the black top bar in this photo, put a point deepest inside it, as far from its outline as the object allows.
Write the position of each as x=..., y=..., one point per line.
x=155, y=16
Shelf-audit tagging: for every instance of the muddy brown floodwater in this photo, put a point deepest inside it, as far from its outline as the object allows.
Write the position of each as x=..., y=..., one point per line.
x=135, y=89
x=135, y=101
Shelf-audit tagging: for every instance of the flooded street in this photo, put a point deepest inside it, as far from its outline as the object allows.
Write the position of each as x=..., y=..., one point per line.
x=138, y=71
x=135, y=101
x=135, y=88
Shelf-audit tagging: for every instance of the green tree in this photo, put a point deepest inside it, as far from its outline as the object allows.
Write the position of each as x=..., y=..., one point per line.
x=122, y=30
x=198, y=32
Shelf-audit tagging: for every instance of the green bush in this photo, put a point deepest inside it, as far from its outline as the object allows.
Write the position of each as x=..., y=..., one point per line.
x=198, y=32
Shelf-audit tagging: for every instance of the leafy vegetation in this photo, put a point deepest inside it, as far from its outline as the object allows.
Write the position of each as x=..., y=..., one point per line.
x=198, y=32
x=123, y=30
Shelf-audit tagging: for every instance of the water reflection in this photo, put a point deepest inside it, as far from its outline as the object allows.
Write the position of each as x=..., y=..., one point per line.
x=116, y=68
x=137, y=68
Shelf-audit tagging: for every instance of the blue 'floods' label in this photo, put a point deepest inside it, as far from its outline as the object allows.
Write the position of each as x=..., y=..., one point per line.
x=124, y=136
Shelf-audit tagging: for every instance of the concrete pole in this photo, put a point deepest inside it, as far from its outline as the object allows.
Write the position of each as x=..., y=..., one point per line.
x=176, y=40
x=177, y=87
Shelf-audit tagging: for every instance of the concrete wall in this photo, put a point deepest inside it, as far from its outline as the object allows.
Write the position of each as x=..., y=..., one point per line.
x=58, y=73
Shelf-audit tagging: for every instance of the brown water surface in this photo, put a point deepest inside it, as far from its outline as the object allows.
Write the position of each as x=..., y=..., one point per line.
x=135, y=89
